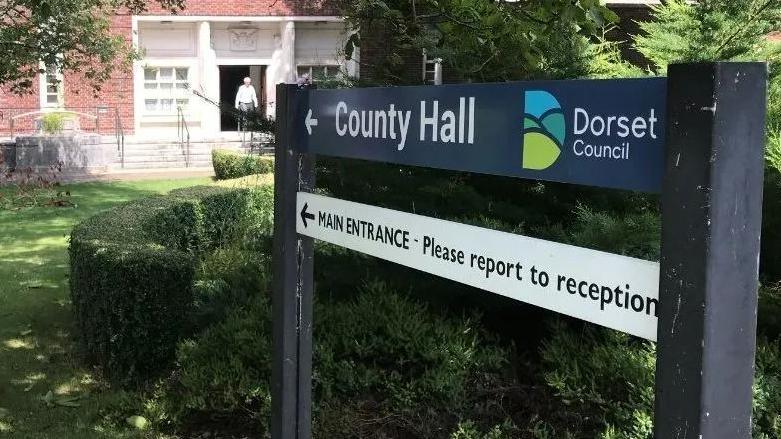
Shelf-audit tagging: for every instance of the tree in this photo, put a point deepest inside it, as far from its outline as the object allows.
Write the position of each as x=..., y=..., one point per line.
x=69, y=35
x=711, y=30
x=480, y=40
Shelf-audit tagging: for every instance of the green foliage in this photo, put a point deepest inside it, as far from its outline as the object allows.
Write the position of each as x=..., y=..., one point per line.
x=230, y=164
x=427, y=358
x=608, y=378
x=133, y=268
x=129, y=294
x=478, y=40
x=767, y=391
x=228, y=367
x=683, y=31
x=773, y=152
x=70, y=35
x=227, y=278
x=770, y=256
x=728, y=30
x=769, y=313
x=633, y=234
x=402, y=365
x=203, y=217
x=468, y=430
x=53, y=123
x=602, y=59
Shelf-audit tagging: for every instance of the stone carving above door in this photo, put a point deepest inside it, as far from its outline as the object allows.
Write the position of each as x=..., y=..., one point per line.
x=243, y=40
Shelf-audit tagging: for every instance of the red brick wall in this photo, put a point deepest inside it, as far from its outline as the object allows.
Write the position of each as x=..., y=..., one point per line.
x=118, y=92
x=12, y=104
x=115, y=95
x=252, y=7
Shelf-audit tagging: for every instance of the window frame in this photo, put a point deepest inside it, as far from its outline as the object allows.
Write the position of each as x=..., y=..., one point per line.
x=178, y=96
x=45, y=84
x=337, y=69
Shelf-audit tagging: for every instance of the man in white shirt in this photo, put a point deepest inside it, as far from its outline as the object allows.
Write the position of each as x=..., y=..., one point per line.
x=246, y=99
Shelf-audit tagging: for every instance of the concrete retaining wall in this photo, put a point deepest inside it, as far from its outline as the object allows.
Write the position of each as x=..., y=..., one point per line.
x=78, y=152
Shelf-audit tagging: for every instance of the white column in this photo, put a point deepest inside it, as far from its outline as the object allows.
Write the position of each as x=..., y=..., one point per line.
x=288, y=31
x=208, y=83
x=283, y=63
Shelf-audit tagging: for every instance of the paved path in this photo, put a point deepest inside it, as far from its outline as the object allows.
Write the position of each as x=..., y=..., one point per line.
x=143, y=174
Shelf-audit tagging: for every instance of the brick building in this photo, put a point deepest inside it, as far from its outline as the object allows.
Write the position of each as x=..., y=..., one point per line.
x=209, y=48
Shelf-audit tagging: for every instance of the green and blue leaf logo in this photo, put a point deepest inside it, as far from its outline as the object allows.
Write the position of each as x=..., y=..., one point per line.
x=543, y=130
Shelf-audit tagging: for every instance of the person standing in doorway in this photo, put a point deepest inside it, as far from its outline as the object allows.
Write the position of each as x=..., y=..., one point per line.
x=246, y=101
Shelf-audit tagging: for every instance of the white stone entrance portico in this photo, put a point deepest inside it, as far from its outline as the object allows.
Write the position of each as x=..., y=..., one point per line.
x=182, y=54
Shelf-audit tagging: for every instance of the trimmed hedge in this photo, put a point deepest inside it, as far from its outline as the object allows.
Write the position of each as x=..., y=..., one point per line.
x=229, y=164
x=133, y=268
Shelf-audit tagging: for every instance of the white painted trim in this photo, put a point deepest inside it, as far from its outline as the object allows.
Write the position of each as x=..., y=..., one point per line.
x=43, y=90
x=237, y=18
x=168, y=61
x=138, y=80
x=243, y=61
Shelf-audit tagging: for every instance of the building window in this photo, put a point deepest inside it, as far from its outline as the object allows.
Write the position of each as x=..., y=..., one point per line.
x=166, y=89
x=314, y=72
x=52, y=93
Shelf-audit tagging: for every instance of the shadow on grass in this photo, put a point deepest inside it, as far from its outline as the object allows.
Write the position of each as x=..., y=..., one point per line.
x=44, y=391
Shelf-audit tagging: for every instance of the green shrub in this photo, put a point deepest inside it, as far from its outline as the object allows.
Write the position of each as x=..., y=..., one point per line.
x=207, y=217
x=770, y=256
x=383, y=356
x=468, y=430
x=133, y=270
x=227, y=278
x=767, y=391
x=379, y=355
x=769, y=312
x=229, y=164
x=228, y=368
x=129, y=293
x=636, y=234
x=608, y=378
x=54, y=123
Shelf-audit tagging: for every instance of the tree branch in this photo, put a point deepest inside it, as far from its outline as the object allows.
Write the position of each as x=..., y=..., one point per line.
x=740, y=30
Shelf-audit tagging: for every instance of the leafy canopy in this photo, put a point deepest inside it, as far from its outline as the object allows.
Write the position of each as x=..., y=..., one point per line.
x=479, y=40
x=711, y=30
x=71, y=35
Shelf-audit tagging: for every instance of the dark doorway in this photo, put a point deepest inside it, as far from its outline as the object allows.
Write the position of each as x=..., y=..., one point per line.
x=231, y=78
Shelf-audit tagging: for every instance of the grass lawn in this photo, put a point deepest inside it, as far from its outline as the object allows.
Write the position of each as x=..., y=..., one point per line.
x=36, y=340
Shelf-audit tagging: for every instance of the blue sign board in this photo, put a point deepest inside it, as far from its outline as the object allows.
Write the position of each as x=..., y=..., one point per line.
x=607, y=133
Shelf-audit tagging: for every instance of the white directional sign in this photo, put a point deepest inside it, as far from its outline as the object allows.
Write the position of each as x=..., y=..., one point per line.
x=615, y=291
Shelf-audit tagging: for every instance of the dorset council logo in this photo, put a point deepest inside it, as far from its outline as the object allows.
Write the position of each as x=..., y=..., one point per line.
x=543, y=130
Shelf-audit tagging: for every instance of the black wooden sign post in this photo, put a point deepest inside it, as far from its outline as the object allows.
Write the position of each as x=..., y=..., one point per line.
x=711, y=221
x=291, y=374
x=697, y=138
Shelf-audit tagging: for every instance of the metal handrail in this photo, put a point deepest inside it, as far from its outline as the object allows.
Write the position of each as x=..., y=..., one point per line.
x=252, y=119
x=120, y=134
x=32, y=111
x=183, y=131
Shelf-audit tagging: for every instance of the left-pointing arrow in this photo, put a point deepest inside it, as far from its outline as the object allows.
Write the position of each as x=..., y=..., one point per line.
x=306, y=215
x=310, y=122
